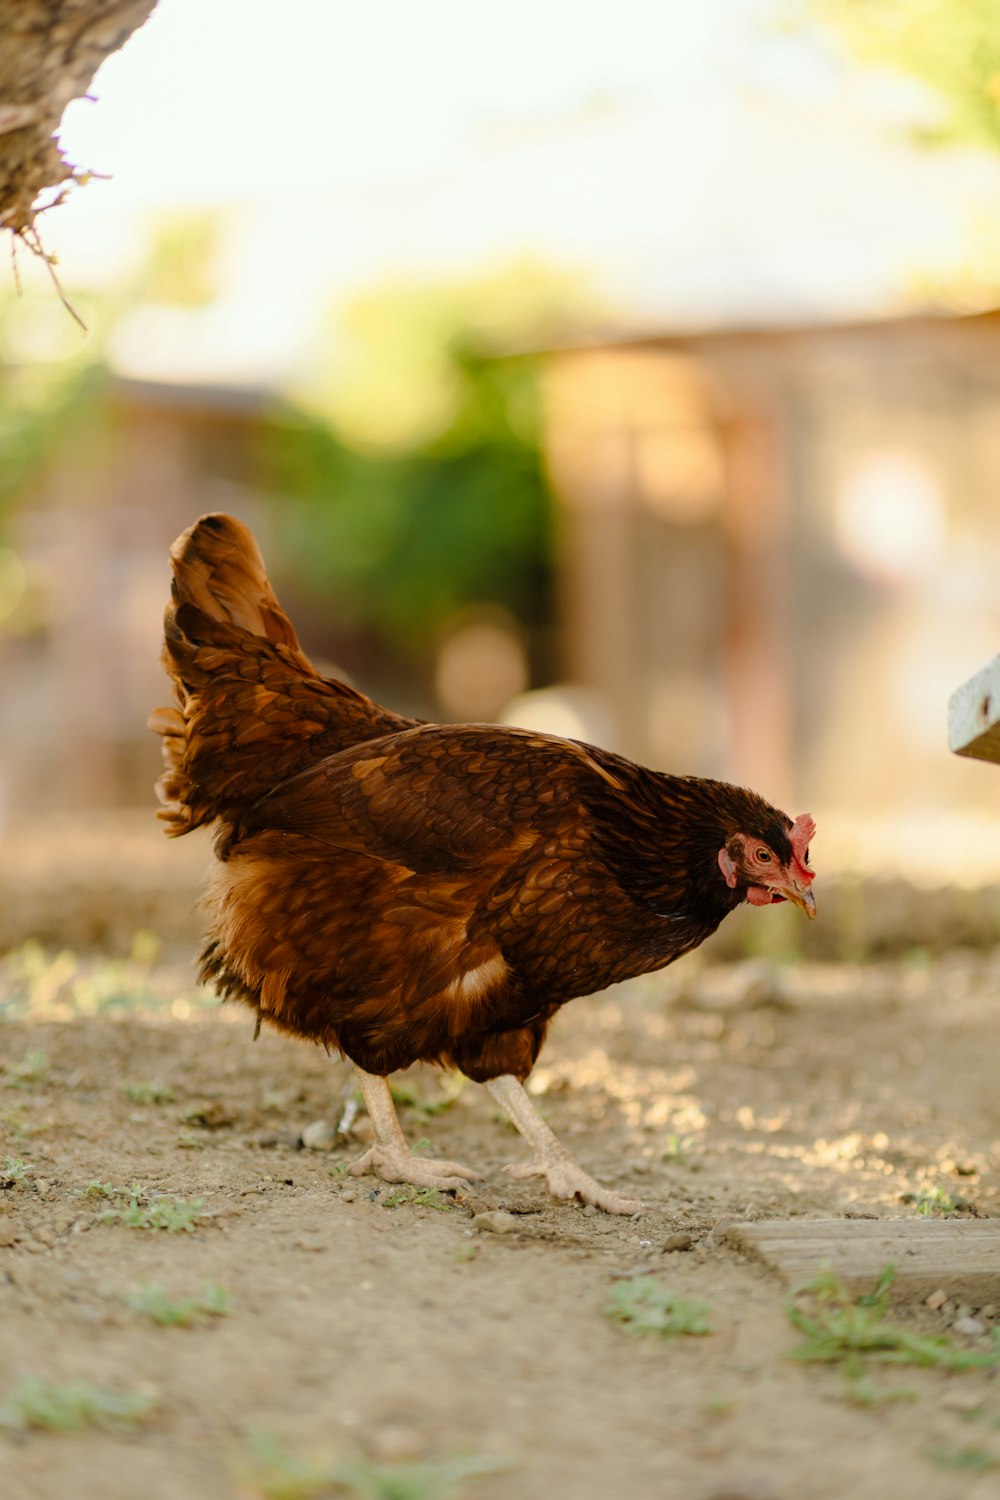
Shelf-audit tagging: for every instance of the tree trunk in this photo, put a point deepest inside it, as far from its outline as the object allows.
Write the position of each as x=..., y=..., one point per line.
x=49, y=52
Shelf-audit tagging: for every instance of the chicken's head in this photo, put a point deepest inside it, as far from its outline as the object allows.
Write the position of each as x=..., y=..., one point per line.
x=768, y=873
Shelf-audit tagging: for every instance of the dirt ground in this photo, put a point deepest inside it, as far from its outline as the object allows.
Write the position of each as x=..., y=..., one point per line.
x=369, y=1328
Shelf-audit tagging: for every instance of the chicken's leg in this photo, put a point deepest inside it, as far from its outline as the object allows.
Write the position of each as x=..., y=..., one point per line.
x=564, y=1177
x=389, y=1157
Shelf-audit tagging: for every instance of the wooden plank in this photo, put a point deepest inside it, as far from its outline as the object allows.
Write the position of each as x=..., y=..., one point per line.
x=974, y=715
x=960, y=1257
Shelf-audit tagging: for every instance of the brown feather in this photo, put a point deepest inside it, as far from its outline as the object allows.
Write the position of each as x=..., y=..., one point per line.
x=242, y=685
x=407, y=891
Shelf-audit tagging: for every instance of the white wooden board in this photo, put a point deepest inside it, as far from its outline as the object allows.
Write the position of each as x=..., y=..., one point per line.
x=960, y=1257
x=974, y=715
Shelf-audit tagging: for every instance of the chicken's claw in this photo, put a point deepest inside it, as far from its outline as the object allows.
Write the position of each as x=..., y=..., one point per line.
x=400, y=1166
x=564, y=1179
x=389, y=1157
x=553, y=1162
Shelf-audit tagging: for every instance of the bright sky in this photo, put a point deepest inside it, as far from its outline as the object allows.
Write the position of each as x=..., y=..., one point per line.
x=222, y=99
x=694, y=161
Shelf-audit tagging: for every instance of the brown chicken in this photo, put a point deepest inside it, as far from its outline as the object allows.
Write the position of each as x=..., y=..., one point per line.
x=407, y=892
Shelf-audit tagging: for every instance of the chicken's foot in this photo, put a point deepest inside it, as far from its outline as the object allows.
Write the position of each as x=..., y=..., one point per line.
x=389, y=1157
x=564, y=1178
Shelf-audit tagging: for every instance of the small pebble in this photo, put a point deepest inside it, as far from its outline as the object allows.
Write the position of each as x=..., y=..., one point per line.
x=319, y=1136
x=7, y=1236
x=480, y=1203
x=682, y=1240
x=589, y=1210
x=968, y=1327
x=498, y=1222
x=349, y=1196
x=937, y=1299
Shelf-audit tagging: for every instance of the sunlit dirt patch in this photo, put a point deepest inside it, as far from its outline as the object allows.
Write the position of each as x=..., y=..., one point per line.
x=711, y=1093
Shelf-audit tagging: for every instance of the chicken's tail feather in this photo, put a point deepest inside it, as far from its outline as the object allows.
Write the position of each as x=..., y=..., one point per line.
x=249, y=708
x=219, y=573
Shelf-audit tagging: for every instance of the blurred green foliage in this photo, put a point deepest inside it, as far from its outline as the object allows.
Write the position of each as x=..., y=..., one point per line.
x=400, y=541
x=413, y=464
x=182, y=266
x=951, y=45
x=404, y=468
x=55, y=383
x=52, y=389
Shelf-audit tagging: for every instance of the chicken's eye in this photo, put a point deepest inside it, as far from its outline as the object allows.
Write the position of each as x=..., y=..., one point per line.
x=763, y=856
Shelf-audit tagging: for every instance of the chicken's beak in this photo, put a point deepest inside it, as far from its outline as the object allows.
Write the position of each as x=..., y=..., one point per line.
x=802, y=896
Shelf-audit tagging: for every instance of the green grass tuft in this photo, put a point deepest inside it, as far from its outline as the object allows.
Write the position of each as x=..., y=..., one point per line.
x=862, y=1390
x=964, y=1460
x=645, y=1305
x=51, y=1407
x=422, y=1197
x=14, y=1171
x=677, y=1148
x=839, y=1329
x=934, y=1201
x=30, y=1070
x=150, y=1300
x=97, y=1189
x=267, y=1470
x=148, y=1093
x=440, y=1479
x=172, y=1214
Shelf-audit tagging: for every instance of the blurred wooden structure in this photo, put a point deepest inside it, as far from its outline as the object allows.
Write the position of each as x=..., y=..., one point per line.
x=79, y=662
x=779, y=546
x=974, y=715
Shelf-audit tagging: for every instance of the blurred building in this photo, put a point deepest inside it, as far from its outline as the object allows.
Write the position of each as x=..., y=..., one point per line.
x=780, y=549
x=778, y=556
x=81, y=633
